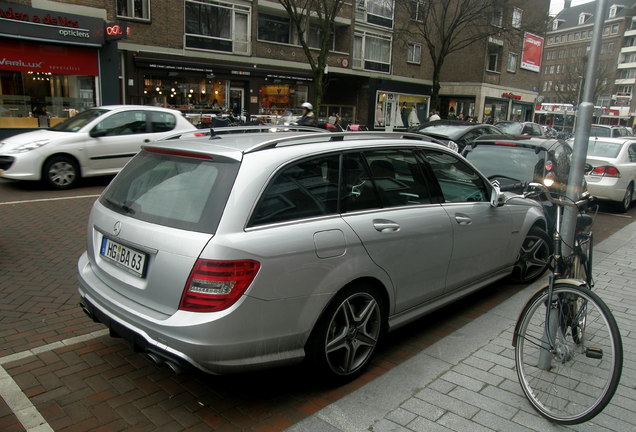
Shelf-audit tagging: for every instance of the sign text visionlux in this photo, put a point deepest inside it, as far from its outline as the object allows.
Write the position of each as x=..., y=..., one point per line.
x=23, y=21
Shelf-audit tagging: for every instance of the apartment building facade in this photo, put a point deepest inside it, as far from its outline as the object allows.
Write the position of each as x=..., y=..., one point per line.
x=568, y=42
x=207, y=56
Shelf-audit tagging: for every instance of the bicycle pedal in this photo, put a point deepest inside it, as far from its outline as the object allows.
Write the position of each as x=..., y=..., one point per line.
x=595, y=353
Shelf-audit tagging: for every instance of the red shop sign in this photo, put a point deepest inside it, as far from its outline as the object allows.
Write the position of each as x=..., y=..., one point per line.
x=35, y=57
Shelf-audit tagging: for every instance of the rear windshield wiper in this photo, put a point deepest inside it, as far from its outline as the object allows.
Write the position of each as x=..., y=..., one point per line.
x=120, y=205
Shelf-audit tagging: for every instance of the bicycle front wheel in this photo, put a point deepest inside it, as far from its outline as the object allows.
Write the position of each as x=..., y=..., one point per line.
x=568, y=354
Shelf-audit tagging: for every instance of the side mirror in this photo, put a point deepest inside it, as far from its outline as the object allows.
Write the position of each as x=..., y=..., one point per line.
x=497, y=199
x=96, y=133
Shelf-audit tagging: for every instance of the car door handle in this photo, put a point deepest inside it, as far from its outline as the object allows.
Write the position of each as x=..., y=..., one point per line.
x=146, y=140
x=463, y=220
x=384, y=225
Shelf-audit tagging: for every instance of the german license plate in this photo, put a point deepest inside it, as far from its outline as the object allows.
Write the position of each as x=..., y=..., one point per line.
x=124, y=256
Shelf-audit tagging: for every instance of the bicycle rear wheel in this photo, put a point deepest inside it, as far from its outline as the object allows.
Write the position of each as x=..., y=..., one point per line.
x=584, y=366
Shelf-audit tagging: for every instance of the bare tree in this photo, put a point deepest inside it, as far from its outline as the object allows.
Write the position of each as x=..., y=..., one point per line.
x=449, y=26
x=568, y=81
x=322, y=15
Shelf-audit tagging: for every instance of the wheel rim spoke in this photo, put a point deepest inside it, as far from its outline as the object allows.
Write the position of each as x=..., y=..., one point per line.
x=353, y=333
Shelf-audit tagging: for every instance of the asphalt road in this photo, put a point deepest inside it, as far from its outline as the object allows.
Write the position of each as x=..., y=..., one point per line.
x=67, y=373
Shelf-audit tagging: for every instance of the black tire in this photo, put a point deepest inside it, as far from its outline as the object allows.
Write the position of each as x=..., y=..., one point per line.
x=60, y=172
x=571, y=380
x=533, y=258
x=624, y=205
x=347, y=334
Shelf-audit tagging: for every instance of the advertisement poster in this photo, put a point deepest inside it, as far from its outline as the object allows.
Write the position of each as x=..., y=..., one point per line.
x=532, y=52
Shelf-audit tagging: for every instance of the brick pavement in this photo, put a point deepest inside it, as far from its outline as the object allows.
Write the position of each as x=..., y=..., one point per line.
x=70, y=376
x=467, y=381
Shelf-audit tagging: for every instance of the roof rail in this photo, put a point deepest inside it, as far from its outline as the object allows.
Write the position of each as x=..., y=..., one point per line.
x=335, y=136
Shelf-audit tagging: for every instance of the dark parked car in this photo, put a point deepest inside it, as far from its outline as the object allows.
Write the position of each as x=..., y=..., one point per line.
x=520, y=128
x=456, y=133
x=515, y=161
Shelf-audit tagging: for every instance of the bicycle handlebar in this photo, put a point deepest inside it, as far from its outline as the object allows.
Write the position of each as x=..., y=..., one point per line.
x=557, y=201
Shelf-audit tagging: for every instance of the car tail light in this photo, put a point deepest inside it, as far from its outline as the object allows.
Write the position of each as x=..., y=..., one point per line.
x=216, y=285
x=503, y=143
x=605, y=171
x=549, y=166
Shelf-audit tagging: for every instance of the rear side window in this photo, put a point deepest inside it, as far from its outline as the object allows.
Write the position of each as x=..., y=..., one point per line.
x=176, y=191
x=163, y=122
x=302, y=190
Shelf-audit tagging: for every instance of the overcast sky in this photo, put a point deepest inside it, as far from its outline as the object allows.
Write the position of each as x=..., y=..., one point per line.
x=557, y=5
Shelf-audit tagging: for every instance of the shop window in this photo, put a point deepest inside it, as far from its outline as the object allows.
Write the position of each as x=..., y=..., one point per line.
x=516, y=17
x=512, y=62
x=273, y=28
x=400, y=110
x=414, y=53
x=135, y=9
x=372, y=52
x=217, y=26
x=281, y=99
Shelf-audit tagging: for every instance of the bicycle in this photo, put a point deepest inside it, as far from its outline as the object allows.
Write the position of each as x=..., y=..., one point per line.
x=568, y=349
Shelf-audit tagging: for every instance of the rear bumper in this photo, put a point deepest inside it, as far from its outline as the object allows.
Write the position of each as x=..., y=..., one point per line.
x=606, y=188
x=252, y=334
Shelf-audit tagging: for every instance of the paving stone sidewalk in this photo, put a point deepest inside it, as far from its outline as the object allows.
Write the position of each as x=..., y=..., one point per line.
x=467, y=381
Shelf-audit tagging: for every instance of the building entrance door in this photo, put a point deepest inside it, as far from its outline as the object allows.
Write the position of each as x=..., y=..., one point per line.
x=237, y=101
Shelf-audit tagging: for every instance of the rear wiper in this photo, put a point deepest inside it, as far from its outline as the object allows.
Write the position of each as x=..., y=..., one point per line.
x=120, y=205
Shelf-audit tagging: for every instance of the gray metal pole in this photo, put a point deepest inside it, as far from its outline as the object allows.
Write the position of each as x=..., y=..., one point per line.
x=582, y=131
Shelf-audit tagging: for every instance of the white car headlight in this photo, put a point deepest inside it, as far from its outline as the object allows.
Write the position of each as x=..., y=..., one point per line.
x=30, y=146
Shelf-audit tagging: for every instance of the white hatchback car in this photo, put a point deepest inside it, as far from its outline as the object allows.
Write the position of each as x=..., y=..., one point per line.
x=98, y=141
x=610, y=170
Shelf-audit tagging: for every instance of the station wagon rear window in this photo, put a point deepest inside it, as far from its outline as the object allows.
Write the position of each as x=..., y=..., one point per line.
x=173, y=190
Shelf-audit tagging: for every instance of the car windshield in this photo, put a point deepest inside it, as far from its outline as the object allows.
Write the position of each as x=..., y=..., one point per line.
x=510, y=128
x=600, y=131
x=176, y=191
x=604, y=148
x=79, y=121
x=512, y=162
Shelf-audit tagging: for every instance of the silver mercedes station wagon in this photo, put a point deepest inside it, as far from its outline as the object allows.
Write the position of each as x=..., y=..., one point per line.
x=254, y=250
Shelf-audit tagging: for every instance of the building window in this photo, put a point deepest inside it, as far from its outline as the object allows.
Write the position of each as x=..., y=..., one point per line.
x=516, y=17
x=614, y=10
x=569, y=37
x=615, y=29
x=417, y=11
x=217, y=26
x=414, y=53
x=494, y=54
x=550, y=40
x=577, y=36
x=512, y=62
x=497, y=18
x=372, y=52
x=380, y=12
x=606, y=30
x=274, y=29
x=135, y=9
x=583, y=17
